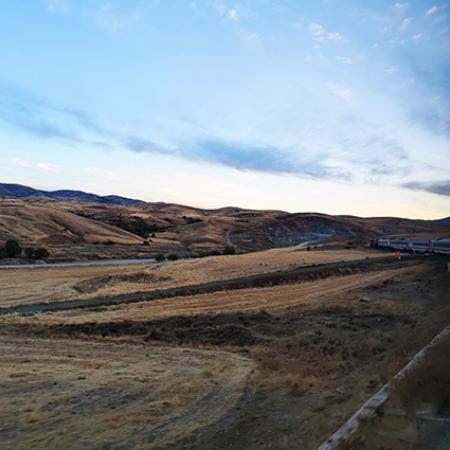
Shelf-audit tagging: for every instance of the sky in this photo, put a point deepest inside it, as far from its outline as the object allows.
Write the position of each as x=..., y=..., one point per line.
x=327, y=106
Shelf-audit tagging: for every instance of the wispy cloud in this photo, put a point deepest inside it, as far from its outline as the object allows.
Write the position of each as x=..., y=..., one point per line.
x=391, y=70
x=342, y=92
x=345, y=60
x=400, y=7
x=440, y=187
x=26, y=164
x=406, y=23
x=320, y=34
x=233, y=14
x=30, y=113
x=250, y=37
x=225, y=11
x=57, y=6
x=432, y=10
x=46, y=166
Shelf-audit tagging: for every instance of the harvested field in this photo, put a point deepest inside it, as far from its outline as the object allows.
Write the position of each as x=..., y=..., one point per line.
x=19, y=286
x=81, y=395
x=319, y=350
x=307, y=295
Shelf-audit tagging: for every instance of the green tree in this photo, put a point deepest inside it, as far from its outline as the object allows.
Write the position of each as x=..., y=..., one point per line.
x=229, y=251
x=30, y=252
x=41, y=253
x=160, y=257
x=172, y=256
x=12, y=248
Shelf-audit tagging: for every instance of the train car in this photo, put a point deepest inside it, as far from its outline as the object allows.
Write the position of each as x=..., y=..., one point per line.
x=441, y=246
x=421, y=245
x=384, y=242
x=438, y=246
x=400, y=244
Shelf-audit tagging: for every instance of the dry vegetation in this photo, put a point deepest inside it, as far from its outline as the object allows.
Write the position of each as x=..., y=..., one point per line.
x=174, y=373
x=73, y=394
x=75, y=229
x=50, y=284
x=416, y=413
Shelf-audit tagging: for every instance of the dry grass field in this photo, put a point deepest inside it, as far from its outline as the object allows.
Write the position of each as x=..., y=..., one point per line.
x=19, y=286
x=279, y=367
x=73, y=394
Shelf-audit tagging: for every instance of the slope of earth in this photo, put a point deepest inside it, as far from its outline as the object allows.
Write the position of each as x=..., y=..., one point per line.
x=83, y=395
x=41, y=284
x=32, y=223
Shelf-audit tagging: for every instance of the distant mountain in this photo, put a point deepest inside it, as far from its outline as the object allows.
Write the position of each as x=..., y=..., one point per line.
x=445, y=221
x=18, y=190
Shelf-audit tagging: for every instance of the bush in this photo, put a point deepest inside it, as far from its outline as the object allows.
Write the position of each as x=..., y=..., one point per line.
x=41, y=253
x=12, y=248
x=172, y=256
x=145, y=243
x=160, y=257
x=29, y=252
x=229, y=251
x=3, y=253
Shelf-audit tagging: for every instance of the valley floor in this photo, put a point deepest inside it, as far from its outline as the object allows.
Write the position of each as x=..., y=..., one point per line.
x=278, y=367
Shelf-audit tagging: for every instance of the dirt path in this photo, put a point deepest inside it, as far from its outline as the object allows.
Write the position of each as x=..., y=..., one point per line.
x=228, y=238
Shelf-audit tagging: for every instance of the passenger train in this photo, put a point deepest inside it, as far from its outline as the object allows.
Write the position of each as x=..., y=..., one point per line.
x=415, y=245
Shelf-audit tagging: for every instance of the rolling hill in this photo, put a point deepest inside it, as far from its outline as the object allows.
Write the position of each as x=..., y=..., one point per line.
x=69, y=218
x=18, y=190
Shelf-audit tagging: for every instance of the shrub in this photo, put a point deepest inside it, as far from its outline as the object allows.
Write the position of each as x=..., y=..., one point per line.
x=13, y=248
x=3, y=253
x=229, y=250
x=172, y=256
x=160, y=257
x=29, y=252
x=145, y=243
x=41, y=253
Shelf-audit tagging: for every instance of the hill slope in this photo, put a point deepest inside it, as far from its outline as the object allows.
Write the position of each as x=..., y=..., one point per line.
x=18, y=190
x=74, y=219
x=445, y=221
x=34, y=223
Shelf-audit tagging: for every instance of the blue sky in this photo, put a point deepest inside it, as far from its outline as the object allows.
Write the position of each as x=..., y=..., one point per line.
x=330, y=106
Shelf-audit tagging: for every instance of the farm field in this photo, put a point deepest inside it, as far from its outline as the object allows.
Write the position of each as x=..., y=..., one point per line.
x=40, y=284
x=279, y=366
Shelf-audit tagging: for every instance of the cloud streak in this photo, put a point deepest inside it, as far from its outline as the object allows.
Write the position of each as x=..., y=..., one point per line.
x=440, y=187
